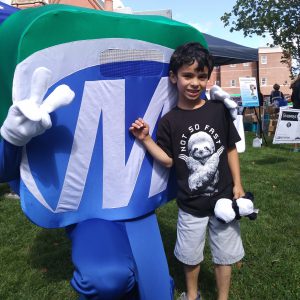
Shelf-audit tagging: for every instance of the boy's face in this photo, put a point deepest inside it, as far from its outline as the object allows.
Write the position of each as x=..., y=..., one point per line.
x=190, y=84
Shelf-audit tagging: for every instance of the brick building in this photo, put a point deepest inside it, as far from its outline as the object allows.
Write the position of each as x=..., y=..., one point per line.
x=270, y=70
x=267, y=71
x=228, y=76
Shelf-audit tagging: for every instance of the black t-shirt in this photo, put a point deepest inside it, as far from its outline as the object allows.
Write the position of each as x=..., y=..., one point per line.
x=198, y=140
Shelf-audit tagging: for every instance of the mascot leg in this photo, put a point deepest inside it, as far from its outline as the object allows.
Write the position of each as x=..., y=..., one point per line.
x=153, y=277
x=103, y=261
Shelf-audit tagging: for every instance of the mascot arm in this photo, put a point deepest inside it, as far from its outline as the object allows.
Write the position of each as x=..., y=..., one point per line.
x=216, y=93
x=30, y=117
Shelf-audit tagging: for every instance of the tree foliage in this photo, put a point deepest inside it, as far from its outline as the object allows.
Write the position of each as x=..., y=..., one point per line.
x=278, y=18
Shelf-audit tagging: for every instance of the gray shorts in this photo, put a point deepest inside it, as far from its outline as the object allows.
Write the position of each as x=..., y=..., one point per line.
x=225, y=240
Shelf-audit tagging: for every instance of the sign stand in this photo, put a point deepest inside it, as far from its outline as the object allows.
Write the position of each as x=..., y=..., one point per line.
x=250, y=99
x=258, y=117
x=259, y=121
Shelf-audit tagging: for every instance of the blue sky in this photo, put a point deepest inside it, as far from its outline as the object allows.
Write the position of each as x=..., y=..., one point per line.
x=204, y=15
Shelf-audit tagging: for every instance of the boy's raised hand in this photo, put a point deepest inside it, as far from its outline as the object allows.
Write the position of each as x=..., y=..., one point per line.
x=140, y=129
x=30, y=117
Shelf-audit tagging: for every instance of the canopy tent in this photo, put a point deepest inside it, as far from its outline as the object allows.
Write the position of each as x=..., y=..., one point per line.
x=225, y=52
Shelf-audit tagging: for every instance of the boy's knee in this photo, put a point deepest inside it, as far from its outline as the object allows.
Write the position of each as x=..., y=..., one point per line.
x=107, y=283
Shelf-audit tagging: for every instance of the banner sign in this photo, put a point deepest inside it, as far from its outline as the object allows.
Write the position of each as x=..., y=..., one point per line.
x=288, y=127
x=248, y=89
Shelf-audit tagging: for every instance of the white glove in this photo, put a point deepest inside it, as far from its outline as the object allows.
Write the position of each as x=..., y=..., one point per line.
x=216, y=93
x=224, y=210
x=30, y=117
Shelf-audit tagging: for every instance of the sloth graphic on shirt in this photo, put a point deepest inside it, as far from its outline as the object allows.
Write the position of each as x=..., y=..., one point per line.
x=202, y=162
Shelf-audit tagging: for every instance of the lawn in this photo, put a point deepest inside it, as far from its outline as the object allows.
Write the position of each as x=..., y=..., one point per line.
x=35, y=263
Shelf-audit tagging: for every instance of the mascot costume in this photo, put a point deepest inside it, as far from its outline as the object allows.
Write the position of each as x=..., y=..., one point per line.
x=72, y=81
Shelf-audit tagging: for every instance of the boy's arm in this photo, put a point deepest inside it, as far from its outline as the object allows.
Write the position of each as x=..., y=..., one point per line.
x=234, y=165
x=140, y=130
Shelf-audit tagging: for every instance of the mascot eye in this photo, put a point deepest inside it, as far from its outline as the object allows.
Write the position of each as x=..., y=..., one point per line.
x=120, y=63
x=206, y=148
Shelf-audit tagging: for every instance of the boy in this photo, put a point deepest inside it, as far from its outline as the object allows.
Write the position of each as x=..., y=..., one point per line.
x=198, y=137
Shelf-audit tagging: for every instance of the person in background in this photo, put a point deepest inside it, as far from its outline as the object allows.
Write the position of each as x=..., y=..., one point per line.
x=276, y=95
x=295, y=86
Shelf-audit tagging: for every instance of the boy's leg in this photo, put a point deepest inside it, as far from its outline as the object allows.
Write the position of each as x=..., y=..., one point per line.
x=191, y=278
x=191, y=232
x=227, y=248
x=223, y=276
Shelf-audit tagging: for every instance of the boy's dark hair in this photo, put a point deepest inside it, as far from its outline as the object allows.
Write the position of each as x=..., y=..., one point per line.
x=187, y=54
x=276, y=87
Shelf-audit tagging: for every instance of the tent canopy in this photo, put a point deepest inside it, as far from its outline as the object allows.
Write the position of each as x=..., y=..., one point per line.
x=225, y=52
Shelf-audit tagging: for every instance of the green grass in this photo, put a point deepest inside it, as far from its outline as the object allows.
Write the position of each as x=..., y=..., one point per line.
x=35, y=263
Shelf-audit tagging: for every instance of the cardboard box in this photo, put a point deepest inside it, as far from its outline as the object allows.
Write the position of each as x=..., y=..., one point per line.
x=272, y=128
x=247, y=118
x=273, y=123
x=251, y=111
x=254, y=119
x=270, y=110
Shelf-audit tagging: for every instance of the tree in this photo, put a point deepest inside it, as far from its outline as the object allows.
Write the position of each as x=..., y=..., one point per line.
x=278, y=18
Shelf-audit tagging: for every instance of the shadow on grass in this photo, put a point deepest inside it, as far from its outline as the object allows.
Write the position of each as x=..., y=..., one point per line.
x=50, y=254
x=271, y=160
x=4, y=188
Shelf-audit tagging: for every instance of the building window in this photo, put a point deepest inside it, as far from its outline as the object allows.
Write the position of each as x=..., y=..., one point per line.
x=246, y=64
x=263, y=81
x=232, y=66
x=264, y=59
x=232, y=83
x=217, y=82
